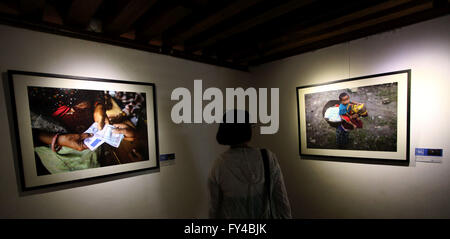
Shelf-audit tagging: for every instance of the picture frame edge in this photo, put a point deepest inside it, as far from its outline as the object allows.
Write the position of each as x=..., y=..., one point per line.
x=378, y=161
x=23, y=187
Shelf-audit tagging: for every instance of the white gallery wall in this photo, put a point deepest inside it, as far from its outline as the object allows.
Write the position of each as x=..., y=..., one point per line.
x=325, y=189
x=177, y=191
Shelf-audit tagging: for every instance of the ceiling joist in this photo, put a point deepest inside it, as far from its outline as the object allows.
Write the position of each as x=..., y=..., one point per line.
x=213, y=19
x=32, y=9
x=252, y=22
x=303, y=41
x=128, y=13
x=80, y=12
x=157, y=24
x=232, y=33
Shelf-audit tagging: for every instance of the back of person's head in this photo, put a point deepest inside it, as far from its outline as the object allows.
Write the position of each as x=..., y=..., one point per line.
x=234, y=133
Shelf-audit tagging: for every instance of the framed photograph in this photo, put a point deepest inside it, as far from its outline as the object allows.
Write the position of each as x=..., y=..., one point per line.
x=363, y=119
x=72, y=128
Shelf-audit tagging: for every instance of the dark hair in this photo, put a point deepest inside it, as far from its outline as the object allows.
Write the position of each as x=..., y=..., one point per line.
x=234, y=133
x=342, y=95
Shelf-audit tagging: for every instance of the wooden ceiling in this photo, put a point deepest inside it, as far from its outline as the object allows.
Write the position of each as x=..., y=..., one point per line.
x=231, y=33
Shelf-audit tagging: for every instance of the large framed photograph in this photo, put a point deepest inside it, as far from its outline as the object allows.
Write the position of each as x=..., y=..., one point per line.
x=72, y=128
x=363, y=119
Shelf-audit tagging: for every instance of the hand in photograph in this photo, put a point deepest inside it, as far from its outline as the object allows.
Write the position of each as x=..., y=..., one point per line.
x=74, y=141
x=128, y=131
x=100, y=116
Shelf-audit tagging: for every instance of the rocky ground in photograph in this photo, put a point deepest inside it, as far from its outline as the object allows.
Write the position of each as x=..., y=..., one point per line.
x=379, y=132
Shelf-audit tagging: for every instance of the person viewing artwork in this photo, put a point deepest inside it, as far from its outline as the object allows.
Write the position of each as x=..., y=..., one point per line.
x=75, y=129
x=245, y=181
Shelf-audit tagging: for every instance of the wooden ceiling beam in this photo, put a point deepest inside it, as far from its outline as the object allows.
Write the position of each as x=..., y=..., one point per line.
x=387, y=26
x=8, y=7
x=229, y=33
x=154, y=26
x=340, y=31
x=80, y=12
x=249, y=42
x=252, y=22
x=32, y=9
x=127, y=15
x=223, y=14
x=113, y=40
x=302, y=32
x=297, y=31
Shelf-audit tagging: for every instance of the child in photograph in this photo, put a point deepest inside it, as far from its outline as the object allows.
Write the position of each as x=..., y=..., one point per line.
x=349, y=113
x=347, y=109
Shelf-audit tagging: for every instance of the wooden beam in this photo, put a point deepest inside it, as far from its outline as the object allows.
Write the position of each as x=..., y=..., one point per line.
x=302, y=32
x=213, y=19
x=387, y=26
x=118, y=41
x=128, y=14
x=298, y=31
x=156, y=25
x=52, y=15
x=81, y=12
x=249, y=42
x=244, y=26
x=340, y=31
x=7, y=7
x=32, y=9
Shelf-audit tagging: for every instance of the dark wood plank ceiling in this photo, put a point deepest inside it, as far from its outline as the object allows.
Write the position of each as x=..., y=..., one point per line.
x=231, y=33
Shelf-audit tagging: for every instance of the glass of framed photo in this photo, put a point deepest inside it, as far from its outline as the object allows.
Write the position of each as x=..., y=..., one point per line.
x=362, y=119
x=71, y=128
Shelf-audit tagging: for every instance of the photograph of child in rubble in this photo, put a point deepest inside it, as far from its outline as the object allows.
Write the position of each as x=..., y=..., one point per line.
x=75, y=129
x=362, y=118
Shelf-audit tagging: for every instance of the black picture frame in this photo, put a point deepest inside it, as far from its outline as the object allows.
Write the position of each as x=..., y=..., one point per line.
x=17, y=139
x=364, y=160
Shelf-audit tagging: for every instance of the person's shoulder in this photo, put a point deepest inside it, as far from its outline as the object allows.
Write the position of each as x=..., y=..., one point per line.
x=273, y=160
x=258, y=149
x=224, y=156
x=270, y=154
x=221, y=157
